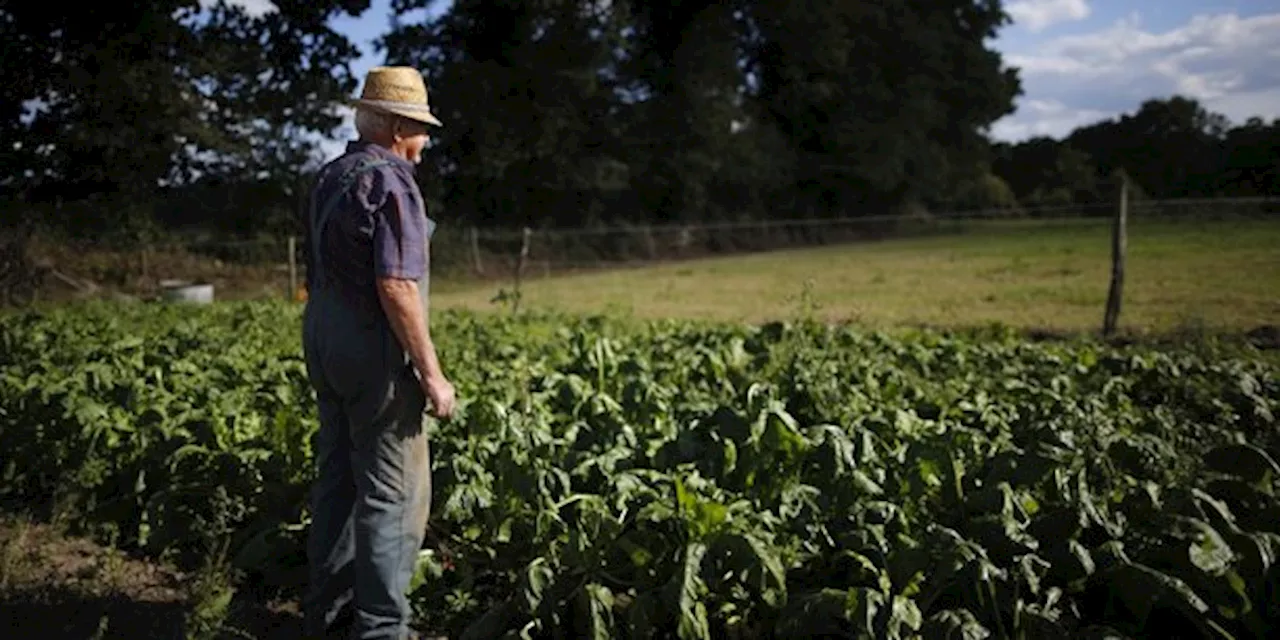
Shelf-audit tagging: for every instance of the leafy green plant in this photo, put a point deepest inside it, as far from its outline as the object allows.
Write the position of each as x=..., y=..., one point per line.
x=611, y=478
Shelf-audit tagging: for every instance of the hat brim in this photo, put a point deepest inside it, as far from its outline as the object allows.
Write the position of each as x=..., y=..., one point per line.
x=420, y=113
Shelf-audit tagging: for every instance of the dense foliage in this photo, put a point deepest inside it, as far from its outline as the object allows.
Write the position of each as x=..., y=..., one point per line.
x=668, y=111
x=176, y=113
x=107, y=111
x=1171, y=148
x=614, y=479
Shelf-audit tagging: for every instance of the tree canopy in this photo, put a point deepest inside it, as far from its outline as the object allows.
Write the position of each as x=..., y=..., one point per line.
x=571, y=113
x=1171, y=148
x=115, y=104
x=578, y=111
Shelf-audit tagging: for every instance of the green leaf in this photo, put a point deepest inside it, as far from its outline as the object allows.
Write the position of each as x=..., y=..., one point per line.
x=1244, y=461
x=1032, y=570
x=815, y=614
x=863, y=484
x=684, y=592
x=930, y=472
x=729, y=456
x=1258, y=553
x=1138, y=588
x=596, y=602
x=905, y=614
x=427, y=566
x=1096, y=516
x=1069, y=561
x=955, y=478
x=640, y=556
x=1059, y=523
x=1002, y=536
x=954, y=624
x=771, y=580
x=865, y=607
x=1208, y=551
x=1035, y=622
x=534, y=582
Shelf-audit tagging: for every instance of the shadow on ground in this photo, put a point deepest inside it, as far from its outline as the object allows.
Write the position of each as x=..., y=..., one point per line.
x=58, y=614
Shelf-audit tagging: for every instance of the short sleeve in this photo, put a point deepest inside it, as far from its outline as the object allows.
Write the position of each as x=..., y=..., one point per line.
x=399, y=235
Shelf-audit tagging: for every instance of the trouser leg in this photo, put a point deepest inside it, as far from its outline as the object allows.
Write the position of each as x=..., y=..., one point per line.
x=392, y=469
x=331, y=546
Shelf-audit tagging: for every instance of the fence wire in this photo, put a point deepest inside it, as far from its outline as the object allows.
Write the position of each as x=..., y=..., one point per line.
x=274, y=264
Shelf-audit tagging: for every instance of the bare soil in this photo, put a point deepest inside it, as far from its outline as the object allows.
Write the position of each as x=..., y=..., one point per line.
x=54, y=586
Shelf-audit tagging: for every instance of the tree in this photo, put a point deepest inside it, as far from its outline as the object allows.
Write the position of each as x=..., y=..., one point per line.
x=1171, y=148
x=988, y=193
x=581, y=110
x=881, y=102
x=1045, y=172
x=1251, y=159
x=527, y=94
x=701, y=149
x=137, y=99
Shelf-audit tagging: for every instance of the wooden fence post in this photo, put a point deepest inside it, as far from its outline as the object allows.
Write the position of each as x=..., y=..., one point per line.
x=475, y=252
x=145, y=282
x=293, y=267
x=520, y=264
x=1119, y=247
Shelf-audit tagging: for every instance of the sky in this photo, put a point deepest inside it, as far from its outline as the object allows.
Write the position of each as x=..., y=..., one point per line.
x=1080, y=60
x=1085, y=60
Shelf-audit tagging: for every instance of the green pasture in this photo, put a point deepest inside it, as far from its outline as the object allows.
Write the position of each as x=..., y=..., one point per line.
x=1211, y=275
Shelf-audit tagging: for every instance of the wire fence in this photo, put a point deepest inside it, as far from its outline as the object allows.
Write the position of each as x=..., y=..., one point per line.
x=274, y=265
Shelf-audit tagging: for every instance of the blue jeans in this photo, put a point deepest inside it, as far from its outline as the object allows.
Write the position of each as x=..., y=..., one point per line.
x=372, y=496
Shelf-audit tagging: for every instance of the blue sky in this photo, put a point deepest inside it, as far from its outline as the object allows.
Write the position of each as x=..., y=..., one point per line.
x=1080, y=60
x=1083, y=60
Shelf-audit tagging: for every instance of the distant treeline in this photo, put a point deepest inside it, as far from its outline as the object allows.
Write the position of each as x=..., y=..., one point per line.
x=133, y=119
x=1172, y=148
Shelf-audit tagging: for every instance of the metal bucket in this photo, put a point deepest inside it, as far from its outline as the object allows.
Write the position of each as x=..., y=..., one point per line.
x=178, y=291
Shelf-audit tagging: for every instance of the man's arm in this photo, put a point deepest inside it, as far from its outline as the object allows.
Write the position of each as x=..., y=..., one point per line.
x=403, y=307
x=399, y=245
x=399, y=298
x=400, y=260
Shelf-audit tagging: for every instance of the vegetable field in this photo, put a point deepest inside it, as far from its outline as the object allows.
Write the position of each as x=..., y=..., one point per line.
x=617, y=479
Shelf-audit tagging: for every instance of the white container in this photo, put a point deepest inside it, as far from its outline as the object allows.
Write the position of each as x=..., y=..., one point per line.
x=185, y=292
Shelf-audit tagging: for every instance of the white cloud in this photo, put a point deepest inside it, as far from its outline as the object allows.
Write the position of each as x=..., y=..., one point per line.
x=1044, y=118
x=255, y=8
x=1230, y=64
x=1036, y=15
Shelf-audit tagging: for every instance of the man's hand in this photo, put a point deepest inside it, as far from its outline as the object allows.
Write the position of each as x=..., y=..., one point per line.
x=440, y=392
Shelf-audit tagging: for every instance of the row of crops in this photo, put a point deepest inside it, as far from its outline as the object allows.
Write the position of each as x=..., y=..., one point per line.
x=612, y=479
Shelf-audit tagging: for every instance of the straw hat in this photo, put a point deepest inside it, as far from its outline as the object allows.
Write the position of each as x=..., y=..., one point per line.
x=397, y=90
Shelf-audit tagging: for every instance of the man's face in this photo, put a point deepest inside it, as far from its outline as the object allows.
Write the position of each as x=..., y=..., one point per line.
x=413, y=136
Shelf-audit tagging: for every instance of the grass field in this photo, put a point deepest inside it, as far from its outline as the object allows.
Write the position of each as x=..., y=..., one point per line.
x=1217, y=276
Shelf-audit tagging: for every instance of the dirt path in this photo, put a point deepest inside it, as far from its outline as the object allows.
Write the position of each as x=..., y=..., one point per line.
x=54, y=586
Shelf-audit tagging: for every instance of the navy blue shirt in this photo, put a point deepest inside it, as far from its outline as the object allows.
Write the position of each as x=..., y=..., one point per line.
x=378, y=228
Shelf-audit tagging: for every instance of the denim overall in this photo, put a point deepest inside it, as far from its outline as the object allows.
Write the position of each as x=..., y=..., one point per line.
x=372, y=496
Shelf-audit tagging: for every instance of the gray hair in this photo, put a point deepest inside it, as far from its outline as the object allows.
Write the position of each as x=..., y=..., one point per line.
x=372, y=124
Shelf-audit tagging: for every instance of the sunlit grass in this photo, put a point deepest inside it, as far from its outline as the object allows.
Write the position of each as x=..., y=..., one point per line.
x=1211, y=275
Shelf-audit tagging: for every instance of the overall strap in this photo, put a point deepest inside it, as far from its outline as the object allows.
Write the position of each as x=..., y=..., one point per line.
x=318, y=221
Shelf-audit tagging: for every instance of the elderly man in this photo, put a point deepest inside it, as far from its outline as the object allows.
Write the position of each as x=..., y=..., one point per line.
x=373, y=365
